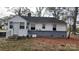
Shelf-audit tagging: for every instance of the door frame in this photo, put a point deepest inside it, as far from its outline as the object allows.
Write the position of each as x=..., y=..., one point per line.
x=15, y=28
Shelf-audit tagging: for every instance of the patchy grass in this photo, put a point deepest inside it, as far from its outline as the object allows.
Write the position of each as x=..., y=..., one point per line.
x=40, y=44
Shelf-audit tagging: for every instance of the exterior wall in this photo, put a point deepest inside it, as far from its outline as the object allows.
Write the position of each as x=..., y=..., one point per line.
x=61, y=30
x=21, y=32
x=48, y=33
x=77, y=25
x=61, y=27
x=49, y=27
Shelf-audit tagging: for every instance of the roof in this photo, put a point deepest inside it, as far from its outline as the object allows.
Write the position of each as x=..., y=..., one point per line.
x=42, y=19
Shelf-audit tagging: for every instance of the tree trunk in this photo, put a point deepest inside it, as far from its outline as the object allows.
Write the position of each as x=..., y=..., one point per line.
x=19, y=12
x=75, y=18
x=69, y=31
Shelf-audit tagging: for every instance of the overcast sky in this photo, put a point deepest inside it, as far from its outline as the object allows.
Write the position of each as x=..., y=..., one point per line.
x=3, y=12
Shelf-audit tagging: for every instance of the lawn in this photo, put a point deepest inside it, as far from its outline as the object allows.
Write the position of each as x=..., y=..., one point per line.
x=40, y=44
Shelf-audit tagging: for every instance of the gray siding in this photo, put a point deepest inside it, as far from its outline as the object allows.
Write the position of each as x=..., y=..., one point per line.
x=49, y=33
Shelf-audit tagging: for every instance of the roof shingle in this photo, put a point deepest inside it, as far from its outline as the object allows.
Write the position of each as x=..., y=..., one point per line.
x=42, y=19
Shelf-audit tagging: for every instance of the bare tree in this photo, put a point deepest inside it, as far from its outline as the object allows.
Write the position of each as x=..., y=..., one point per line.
x=20, y=11
x=39, y=11
x=55, y=11
x=75, y=18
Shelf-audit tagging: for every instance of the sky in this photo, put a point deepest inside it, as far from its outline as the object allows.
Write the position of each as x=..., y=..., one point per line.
x=3, y=12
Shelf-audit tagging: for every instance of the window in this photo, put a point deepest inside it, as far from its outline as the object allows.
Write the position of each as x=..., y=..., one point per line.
x=32, y=26
x=21, y=25
x=54, y=27
x=27, y=25
x=6, y=23
x=11, y=25
x=43, y=26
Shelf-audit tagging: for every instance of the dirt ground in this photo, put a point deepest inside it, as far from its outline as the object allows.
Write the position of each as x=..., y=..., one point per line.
x=41, y=44
x=73, y=39
x=59, y=44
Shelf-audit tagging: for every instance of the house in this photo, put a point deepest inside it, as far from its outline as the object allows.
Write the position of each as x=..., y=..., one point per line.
x=36, y=27
x=3, y=24
x=77, y=24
